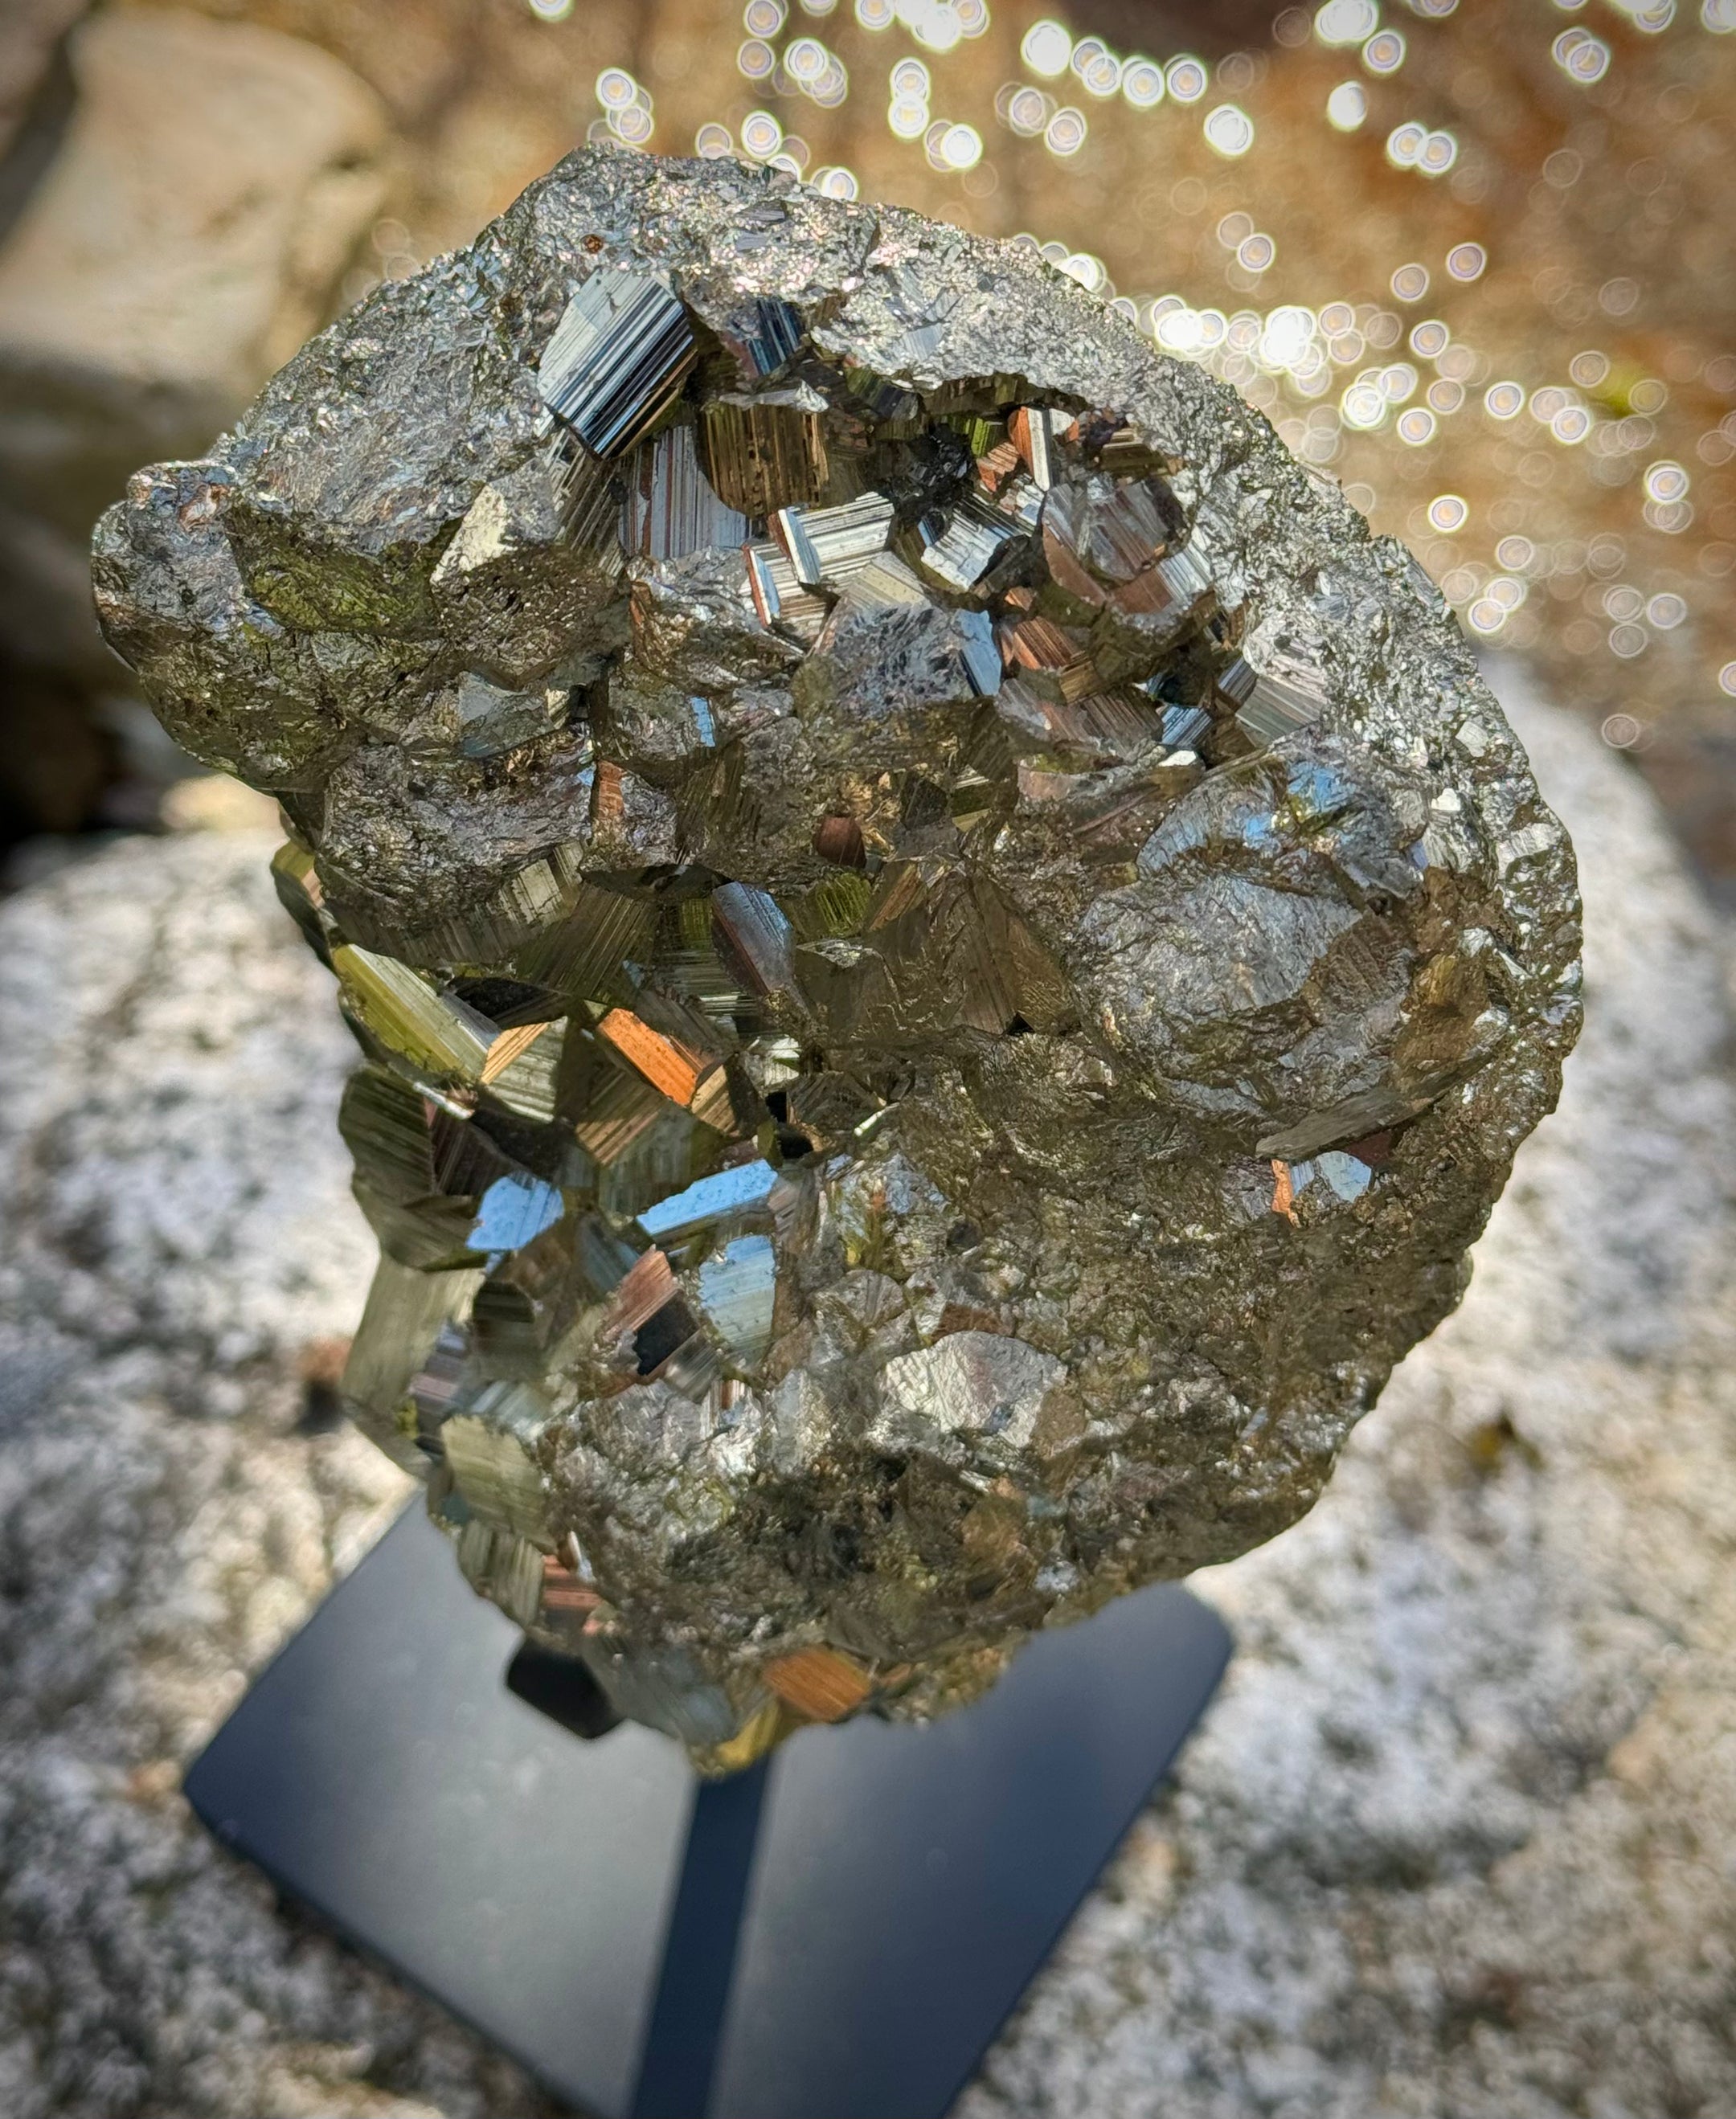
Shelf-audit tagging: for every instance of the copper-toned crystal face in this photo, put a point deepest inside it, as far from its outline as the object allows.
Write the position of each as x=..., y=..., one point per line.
x=948, y=955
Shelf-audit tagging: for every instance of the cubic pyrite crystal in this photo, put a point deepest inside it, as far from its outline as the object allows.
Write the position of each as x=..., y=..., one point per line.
x=949, y=954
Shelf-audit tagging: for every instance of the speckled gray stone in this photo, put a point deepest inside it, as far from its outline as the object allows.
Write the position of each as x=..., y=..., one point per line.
x=172, y=1078
x=1453, y=1844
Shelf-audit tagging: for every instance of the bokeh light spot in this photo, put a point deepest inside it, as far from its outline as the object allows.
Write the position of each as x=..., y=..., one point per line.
x=1187, y=80
x=1347, y=106
x=1229, y=131
x=1047, y=49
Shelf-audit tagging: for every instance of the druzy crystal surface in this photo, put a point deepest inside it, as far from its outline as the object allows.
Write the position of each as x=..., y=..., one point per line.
x=949, y=953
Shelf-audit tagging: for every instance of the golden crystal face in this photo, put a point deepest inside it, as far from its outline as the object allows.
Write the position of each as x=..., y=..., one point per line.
x=947, y=954
x=767, y=450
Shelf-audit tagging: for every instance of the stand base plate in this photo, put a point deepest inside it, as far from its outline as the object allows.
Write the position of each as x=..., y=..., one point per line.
x=837, y=1934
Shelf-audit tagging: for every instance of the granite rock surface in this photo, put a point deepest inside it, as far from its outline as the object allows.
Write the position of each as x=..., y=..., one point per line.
x=1451, y=1845
x=1454, y=1843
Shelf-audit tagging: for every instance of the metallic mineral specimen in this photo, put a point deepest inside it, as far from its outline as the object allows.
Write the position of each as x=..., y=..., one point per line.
x=949, y=953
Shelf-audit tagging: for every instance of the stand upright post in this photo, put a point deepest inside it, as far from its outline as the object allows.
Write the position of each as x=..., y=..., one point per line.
x=836, y=1933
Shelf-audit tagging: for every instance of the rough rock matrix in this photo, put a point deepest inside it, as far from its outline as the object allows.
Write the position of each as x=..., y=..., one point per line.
x=949, y=955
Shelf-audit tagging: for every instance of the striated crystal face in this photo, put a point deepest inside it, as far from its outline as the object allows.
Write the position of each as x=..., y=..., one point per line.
x=949, y=953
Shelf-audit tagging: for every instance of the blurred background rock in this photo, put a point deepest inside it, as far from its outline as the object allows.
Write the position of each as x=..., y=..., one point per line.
x=1471, y=257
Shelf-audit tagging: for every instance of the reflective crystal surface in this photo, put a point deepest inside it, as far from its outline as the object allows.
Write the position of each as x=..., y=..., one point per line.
x=948, y=955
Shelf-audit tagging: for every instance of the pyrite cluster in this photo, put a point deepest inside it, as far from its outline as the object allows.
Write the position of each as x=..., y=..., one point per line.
x=948, y=954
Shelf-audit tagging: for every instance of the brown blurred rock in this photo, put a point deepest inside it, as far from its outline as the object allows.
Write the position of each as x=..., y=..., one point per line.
x=30, y=31
x=45, y=616
x=199, y=203
x=1212, y=27
x=55, y=761
x=212, y=182
x=419, y=55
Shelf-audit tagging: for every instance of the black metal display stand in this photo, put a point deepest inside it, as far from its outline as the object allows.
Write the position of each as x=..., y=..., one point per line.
x=836, y=1933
